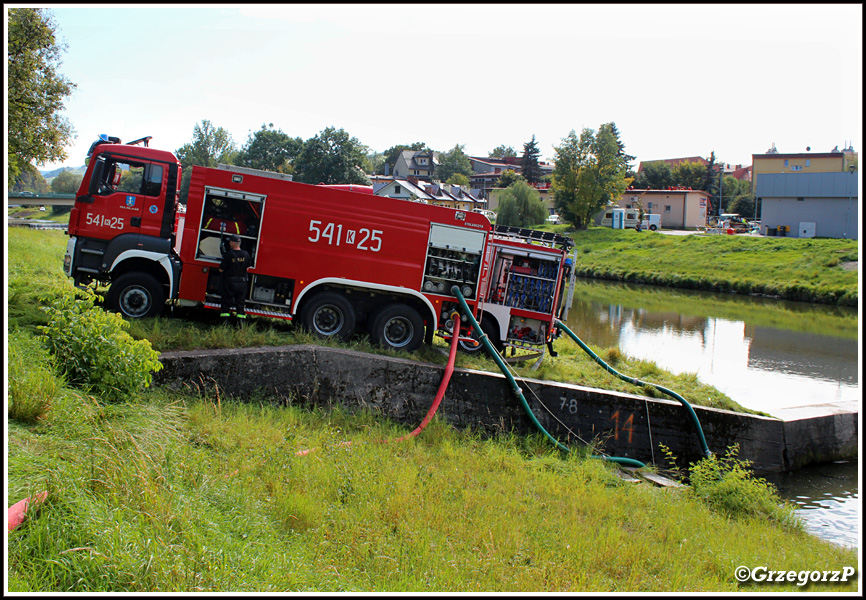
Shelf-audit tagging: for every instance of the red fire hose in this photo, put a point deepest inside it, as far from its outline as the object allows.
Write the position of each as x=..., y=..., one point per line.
x=16, y=513
x=449, y=370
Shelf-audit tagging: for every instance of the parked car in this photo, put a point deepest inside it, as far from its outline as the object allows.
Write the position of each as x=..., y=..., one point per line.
x=491, y=215
x=555, y=219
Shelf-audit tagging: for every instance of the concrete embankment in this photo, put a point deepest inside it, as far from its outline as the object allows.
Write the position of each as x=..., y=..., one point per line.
x=621, y=424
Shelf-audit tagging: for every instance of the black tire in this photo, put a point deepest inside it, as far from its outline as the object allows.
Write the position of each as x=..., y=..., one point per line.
x=653, y=227
x=488, y=328
x=329, y=314
x=136, y=296
x=397, y=326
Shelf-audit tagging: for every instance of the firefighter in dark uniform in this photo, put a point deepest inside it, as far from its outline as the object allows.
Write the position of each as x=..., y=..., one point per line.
x=234, y=267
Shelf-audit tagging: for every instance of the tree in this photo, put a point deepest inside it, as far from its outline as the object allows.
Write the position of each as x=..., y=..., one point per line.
x=531, y=169
x=29, y=179
x=508, y=177
x=331, y=157
x=35, y=91
x=66, y=182
x=210, y=146
x=269, y=149
x=520, y=205
x=459, y=179
x=502, y=151
x=612, y=129
x=393, y=153
x=569, y=158
x=453, y=161
x=689, y=174
x=374, y=162
x=655, y=176
x=590, y=173
x=711, y=173
x=737, y=197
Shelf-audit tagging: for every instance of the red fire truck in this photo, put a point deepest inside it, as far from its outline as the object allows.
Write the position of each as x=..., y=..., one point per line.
x=331, y=259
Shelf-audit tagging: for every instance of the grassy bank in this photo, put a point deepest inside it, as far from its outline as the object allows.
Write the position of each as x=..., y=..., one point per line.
x=807, y=270
x=158, y=492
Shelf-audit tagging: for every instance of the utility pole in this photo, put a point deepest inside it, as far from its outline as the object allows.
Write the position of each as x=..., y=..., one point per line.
x=721, y=173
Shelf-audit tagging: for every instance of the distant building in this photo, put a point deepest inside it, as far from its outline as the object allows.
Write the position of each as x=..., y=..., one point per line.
x=487, y=171
x=679, y=208
x=774, y=162
x=402, y=189
x=810, y=204
x=452, y=196
x=419, y=164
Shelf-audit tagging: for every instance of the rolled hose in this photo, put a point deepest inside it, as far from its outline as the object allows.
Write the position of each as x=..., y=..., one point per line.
x=703, y=442
x=629, y=462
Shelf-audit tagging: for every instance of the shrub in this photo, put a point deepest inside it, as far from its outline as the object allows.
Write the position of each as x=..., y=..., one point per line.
x=33, y=384
x=93, y=349
x=727, y=484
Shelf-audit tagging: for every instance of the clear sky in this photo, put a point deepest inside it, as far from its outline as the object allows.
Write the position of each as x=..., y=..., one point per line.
x=678, y=80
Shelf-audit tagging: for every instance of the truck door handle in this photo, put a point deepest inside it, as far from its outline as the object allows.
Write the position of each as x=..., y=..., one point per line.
x=135, y=221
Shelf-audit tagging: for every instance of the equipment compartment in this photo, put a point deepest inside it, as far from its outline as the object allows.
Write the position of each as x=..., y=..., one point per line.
x=228, y=212
x=523, y=282
x=453, y=257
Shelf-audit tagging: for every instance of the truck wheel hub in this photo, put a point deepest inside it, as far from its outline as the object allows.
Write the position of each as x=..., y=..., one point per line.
x=398, y=331
x=328, y=320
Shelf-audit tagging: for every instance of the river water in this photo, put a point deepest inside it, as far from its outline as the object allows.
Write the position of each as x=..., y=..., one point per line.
x=769, y=355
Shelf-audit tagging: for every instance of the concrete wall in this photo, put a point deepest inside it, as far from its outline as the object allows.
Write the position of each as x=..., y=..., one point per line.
x=622, y=424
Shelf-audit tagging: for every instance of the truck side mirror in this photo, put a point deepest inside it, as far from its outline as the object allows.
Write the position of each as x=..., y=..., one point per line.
x=96, y=176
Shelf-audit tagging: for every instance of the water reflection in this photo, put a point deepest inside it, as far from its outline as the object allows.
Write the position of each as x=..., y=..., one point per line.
x=762, y=367
x=826, y=498
x=766, y=355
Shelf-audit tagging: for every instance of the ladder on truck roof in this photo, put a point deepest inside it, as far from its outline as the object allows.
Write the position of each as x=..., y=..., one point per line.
x=533, y=235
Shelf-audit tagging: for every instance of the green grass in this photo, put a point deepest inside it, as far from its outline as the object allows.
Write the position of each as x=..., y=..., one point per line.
x=178, y=493
x=166, y=492
x=810, y=270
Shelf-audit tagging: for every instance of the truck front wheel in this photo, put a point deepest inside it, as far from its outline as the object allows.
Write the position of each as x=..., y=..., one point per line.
x=329, y=314
x=397, y=326
x=136, y=296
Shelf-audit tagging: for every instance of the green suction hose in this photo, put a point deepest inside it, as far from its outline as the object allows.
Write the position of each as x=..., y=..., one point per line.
x=629, y=462
x=638, y=382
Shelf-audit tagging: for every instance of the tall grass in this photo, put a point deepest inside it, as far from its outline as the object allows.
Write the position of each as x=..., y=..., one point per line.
x=179, y=493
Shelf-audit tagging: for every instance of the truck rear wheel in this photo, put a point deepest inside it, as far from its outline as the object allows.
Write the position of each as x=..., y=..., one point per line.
x=136, y=296
x=329, y=314
x=397, y=326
